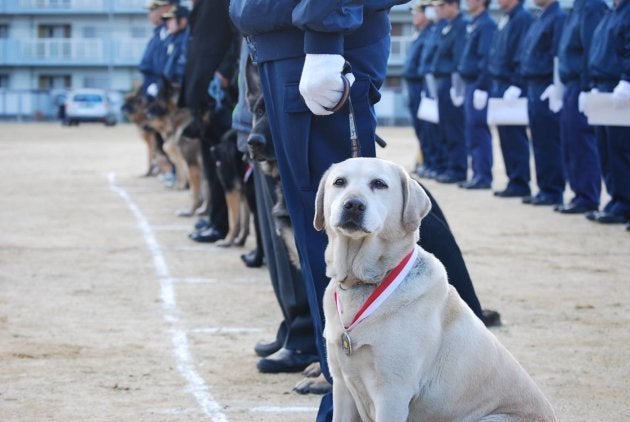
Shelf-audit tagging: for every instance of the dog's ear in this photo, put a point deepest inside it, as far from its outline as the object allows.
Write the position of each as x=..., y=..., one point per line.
x=319, y=221
x=253, y=89
x=416, y=203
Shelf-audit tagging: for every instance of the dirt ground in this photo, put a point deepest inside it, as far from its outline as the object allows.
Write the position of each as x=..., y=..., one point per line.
x=109, y=312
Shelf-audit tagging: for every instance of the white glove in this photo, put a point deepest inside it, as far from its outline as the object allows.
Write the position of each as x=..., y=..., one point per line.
x=621, y=94
x=456, y=99
x=152, y=90
x=480, y=99
x=512, y=93
x=582, y=100
x=554, y=95
x=321, y=84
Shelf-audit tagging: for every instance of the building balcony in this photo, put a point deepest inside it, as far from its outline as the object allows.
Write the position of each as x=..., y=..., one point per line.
x=70, y=52
x=48, y=7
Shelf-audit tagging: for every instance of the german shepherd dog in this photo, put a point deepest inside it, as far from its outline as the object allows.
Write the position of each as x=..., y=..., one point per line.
x=182, y=144
x=134, y=107
x=261, y=148
x=235, y=175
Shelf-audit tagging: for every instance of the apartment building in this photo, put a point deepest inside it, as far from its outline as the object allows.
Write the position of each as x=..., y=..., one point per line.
x=50, y=46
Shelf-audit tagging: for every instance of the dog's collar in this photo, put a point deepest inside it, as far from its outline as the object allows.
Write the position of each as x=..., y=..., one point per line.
x=382, y=291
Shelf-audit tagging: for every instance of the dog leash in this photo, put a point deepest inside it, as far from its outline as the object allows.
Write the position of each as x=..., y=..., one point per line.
x=355, y=145
x=378, y=296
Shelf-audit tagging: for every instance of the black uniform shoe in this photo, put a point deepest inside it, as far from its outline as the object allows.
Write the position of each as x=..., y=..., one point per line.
x=449, y=178
x=209, y=235
x=511, y=193
x=265, y=349
x=574, y=209
x=476, y=185
x=491, y=318
x=202, y=223
x=592, y=215
x=610, y=218
x=285, y=360
x=252, y=259
x=545, y=200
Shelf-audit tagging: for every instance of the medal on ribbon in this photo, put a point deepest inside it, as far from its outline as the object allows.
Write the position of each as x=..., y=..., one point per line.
x=378, y=296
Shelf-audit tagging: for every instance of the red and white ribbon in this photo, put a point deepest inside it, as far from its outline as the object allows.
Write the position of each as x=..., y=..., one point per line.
x=383, y=291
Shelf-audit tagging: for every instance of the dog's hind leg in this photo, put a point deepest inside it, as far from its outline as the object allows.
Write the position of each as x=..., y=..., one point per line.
x=244, y=222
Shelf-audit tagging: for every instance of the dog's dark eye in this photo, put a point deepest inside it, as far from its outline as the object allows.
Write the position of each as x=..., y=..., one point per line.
x=378, y=184
x=339, y=181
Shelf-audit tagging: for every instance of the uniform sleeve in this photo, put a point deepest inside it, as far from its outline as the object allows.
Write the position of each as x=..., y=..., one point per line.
x=624, y=54
x=557, y=33
x=518, y=35
x=591, y=18
x=485, y=41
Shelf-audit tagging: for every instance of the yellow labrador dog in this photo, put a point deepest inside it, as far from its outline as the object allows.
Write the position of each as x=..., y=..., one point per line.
x=402, y=345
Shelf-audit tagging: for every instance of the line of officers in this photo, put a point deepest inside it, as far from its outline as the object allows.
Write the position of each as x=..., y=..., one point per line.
x=552, y=59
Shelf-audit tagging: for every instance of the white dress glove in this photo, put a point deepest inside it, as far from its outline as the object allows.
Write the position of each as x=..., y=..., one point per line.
x=480, y=99
x=512, y=93
x=457, y=100
x=152, y=90
x=321, y=84
x=554, y=95
x=621, y=94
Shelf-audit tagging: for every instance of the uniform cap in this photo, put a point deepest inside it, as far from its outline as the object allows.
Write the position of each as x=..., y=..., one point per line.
x=177, y=12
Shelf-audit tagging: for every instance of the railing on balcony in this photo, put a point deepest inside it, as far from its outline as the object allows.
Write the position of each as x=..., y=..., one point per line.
x=72, y=6
x=399, y=48
x=71, y=52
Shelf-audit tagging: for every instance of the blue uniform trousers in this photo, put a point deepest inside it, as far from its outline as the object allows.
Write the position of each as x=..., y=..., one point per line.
x=614, y=152
x=514, y=147
x=434, y=147
x=579, y=150
x=414, y=93
x=545, y=129
x=306, y=145
x=478, y=137
x=452, y=130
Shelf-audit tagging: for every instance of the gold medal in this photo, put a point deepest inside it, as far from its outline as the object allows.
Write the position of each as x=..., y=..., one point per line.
x=346, y=343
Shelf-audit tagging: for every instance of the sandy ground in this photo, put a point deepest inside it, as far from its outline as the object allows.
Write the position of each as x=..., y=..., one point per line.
x=109, y=312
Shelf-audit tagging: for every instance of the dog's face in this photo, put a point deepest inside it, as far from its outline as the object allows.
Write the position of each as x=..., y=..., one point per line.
x=363, y=197
x=259, y=141
x=165, y=102
x=134, y=106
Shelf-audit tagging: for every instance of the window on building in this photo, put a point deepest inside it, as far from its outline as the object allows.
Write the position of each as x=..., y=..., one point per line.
x=4, y=81
x=139, y=32
x=88, y=32
x=4, y=30
x=96, y=81
x=54, y=82
x=54, y=31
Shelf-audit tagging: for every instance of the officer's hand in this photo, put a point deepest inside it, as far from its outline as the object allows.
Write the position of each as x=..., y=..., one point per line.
x=554, y=95
x=457, y=100
x=582, y=100
x=480, y=99
x=321, y=83
x=621, y=94
x=152, y=90
x=512, y=93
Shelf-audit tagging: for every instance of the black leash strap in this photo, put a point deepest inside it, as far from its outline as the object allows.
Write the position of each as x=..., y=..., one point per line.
x=355, y=145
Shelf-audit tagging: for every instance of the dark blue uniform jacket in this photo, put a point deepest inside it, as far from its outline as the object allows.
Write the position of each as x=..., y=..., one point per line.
x=609, y=58
x=428, y=52
x=540, y=44
x=411, y=68
x=278, y=29
x=176, y=56
x=450, y=47
x=473, y=66
x=151, y=60
x=575, y=41
x=504, y=58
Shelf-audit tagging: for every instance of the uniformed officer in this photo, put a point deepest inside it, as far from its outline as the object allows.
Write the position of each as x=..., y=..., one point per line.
x=579, y=145
x=411, y=71
x=450, y=91
x=433, y=146
x=176, y=21
x=152, y=63
x=539, y=49
x=609, y=66
x=504, y=68
x=473, y=67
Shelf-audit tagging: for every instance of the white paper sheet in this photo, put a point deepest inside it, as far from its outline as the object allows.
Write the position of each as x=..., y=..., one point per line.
x=601, y=111
x=428, y=110
x=507, y=112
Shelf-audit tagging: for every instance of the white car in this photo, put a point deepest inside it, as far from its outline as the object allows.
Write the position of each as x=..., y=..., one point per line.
x=89, y=105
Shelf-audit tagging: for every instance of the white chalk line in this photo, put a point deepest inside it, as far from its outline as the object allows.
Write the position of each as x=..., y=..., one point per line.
x=185, y=364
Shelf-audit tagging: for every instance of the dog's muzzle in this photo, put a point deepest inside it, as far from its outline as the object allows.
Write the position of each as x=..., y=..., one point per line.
x=353, y=214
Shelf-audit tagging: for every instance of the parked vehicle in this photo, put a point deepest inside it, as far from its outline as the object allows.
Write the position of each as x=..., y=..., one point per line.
x=89, y=105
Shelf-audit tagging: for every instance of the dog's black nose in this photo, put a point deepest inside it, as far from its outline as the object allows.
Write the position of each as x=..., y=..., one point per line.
x=256, y=140
x=354, y=205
